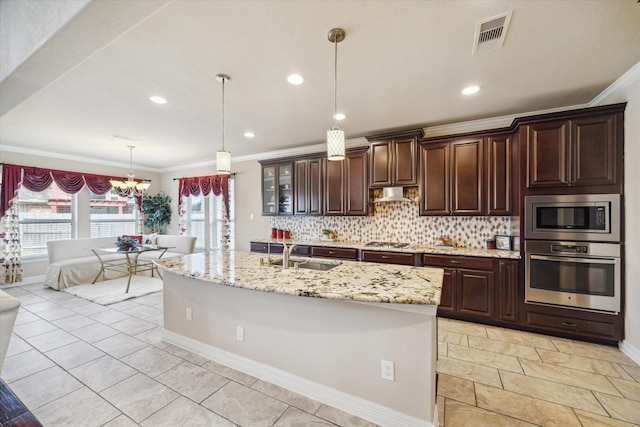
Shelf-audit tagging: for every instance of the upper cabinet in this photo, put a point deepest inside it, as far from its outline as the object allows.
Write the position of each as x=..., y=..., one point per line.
x=277, y=188
x=500, y=174
x=346, y=185
x=451, y=177
x=393, y=159
x=578, y=149
x=309, y=196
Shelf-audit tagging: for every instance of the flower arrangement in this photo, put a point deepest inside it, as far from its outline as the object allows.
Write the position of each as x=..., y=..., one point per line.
x=328, y=234
x=127, y=244
x=445, y=241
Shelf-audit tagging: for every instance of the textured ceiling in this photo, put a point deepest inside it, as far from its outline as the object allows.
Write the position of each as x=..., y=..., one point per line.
x=402, y=65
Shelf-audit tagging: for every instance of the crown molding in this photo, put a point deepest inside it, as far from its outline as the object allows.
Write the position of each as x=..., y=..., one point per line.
x=608, y=95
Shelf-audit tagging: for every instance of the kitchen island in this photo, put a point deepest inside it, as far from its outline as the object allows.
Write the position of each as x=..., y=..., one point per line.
x=323, y=334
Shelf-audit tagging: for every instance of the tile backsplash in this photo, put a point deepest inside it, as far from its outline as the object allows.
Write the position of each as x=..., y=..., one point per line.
x=398, y=222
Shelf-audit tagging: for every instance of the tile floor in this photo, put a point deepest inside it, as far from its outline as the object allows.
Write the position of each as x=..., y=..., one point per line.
x=66, y=350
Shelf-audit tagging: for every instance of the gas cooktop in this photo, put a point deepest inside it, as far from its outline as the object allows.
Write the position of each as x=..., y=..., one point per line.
x=387, y=245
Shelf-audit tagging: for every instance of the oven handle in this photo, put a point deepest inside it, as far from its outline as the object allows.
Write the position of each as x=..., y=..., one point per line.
x=578, y=260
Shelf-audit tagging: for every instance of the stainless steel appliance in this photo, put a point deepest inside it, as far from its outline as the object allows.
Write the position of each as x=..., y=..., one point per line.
x=575, y=274
x=587, y=217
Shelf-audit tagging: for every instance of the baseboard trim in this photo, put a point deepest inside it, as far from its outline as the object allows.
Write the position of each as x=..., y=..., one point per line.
x=630, y=350
x=352, y=404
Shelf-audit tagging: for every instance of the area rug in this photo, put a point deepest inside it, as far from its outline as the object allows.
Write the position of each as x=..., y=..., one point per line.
x=112, y=291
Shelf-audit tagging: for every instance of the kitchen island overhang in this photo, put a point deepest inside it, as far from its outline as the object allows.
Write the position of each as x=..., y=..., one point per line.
x=328, y=346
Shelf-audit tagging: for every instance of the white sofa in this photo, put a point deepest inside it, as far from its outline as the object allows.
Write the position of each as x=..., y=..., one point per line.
x=72, y=263
x=9, y=307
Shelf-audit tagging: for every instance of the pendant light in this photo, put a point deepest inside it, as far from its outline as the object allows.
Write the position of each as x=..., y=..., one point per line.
x=223, y=157
x=335, y=135
x=131, y=186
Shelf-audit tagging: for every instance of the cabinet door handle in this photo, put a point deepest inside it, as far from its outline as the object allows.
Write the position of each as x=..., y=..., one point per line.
x=455, y=262
x=386, y=257
x=332, y=252
x=568, y=324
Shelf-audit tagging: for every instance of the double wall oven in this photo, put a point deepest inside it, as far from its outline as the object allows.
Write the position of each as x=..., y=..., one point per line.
x=573, y=251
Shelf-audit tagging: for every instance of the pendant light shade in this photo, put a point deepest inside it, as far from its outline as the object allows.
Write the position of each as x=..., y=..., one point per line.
x=131, y=186
x=335, y=135
x=223, y=157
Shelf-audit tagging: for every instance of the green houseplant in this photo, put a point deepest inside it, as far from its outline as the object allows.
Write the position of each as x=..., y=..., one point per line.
x=157, y=212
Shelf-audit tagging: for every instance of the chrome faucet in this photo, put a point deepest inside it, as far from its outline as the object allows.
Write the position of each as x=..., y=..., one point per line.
x=286, y=253
x=269, y=251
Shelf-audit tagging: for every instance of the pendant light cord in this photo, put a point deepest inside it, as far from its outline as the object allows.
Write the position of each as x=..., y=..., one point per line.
x=223, y=81
x=335, y=83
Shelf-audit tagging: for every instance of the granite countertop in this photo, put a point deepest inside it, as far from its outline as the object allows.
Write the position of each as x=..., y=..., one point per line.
x=350, y=280
x=435, y=250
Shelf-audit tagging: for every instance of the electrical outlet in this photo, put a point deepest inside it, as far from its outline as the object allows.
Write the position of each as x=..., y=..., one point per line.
x=240, y=333
x=189, y=314
x=387, y=372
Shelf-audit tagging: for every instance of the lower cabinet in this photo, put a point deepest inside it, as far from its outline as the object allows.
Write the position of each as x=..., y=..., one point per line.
x=326, y=252
x=388, y=257
x=276, y=248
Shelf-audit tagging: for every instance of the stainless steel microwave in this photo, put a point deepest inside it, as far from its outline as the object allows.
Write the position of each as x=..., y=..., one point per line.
x=582, y=217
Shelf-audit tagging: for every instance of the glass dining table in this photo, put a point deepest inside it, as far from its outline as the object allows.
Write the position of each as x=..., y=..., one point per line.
x=129, y=263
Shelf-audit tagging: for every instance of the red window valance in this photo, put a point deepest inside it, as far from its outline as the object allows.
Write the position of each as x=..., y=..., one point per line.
x=39, y=179
x=216, y=184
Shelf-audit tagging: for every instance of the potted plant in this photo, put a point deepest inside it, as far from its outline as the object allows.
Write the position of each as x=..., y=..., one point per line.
x=157, y=211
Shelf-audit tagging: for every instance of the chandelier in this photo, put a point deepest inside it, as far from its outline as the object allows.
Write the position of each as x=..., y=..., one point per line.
x=131, y=187
x=335, y=135
x=223, y=157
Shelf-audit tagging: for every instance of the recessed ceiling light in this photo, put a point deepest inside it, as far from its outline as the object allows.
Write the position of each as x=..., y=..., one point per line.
x=295, y=79
x=470, y=90
x=157, y=99
x=249, y=134
x=339, y=116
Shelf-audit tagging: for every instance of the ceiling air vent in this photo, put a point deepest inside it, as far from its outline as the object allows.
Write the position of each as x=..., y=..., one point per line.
x=491, y=32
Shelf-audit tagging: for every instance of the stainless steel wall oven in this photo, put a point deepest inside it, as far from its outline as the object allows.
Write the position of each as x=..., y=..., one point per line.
x=576, y=274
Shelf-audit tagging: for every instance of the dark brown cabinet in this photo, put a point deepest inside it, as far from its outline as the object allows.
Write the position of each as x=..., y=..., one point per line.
x=276, y=248
x=572, y=152
x=277, y=188
x=328, y=252
x=500, y=176
x=468, y=286
x=507, y=291
x=393, y=159
x=451, y=177
x=388, y=257
x=309, y=195
x=346, y=189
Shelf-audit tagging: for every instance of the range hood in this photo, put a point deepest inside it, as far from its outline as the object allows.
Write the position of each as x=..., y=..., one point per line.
x=392, y=194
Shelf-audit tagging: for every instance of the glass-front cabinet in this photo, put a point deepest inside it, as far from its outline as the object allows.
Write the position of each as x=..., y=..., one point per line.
x=277, y=189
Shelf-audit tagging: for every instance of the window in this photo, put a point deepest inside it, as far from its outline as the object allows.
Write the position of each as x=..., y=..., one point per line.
x=45, y=215
x=112, y=215
x=204, y=219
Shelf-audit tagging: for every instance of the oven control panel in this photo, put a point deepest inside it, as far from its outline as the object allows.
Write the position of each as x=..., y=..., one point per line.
x=570, y=249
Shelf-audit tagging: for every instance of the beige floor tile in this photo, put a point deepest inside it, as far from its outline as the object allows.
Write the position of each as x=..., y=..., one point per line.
x=17, y=345
x=597, y=351
x=102, y=373
x=485, y=358
x=142, y=311
x=42, y=306
x=526, y=408
x=519, y=337
x=469, y=371
x=83, y=407
x=72, y=302
x=592, y=420
x=192, y=381
x=56, y=313
x=629, y=389
x=568, y=376
x=120, y=345
x=442, y=348
x=453, y=338
x=294, y=417
x=342, y=418
x=90, y=308
x=72, y=323
x=184, y=412
x=139, y=396
x=154, y=337
x=503, y=347
x=25, y=316
x=51, y=340
x=94, y=333
x=294, y=399
x=121, y=421
x=634, y=371
x=24, y=364
x=109, y=317
x=457, y=389
x=31, y=329
x=588, y=364
x=461, y=415
x=124, y=305
x=44, y=387
x=550, y=391
x=245, y=406
x=460, y=327
x=152, y=361
x=187, y=355
x=620, y=408
x=230, y=373
x=75, y=354
x=133, y=325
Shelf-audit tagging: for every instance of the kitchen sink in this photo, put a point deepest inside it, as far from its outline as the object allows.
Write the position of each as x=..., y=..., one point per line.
x=306, y=264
